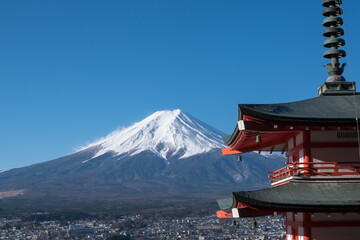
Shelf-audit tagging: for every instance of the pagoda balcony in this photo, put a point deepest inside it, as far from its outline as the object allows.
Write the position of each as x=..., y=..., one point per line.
x=315, y=171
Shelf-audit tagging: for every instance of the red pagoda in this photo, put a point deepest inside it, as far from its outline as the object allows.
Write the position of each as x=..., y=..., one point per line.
x=318, y=191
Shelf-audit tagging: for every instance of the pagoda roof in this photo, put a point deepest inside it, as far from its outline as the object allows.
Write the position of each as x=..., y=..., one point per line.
x=325, y=109
x=300, y=196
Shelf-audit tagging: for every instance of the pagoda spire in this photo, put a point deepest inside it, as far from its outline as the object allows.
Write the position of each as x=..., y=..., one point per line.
x=336, y=83
x=333, y=32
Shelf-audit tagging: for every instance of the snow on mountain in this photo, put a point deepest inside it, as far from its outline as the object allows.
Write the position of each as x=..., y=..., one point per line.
x=166, y=133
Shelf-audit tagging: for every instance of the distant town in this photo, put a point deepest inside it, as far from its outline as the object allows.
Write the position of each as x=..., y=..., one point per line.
x=138, y=227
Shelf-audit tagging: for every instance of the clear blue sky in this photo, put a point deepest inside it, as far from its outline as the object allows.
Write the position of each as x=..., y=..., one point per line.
x=72, y=71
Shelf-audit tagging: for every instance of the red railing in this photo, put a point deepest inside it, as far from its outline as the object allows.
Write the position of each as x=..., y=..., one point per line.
x=310, y=169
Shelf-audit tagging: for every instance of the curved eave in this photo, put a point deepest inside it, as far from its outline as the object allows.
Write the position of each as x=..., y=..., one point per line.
x=228, y=140
x=299, y=120
x=328, y=196
x=329, y=109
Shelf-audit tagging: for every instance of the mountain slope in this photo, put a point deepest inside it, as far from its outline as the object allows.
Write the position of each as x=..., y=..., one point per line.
x=168, y=155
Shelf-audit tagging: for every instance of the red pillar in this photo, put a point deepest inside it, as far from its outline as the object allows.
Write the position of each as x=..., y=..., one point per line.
x=307, y=226
x=307, y=149
x=298, y=226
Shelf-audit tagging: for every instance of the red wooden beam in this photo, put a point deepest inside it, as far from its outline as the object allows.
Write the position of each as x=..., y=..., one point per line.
x=228, y=151
x=222, y=214
x=267, y=140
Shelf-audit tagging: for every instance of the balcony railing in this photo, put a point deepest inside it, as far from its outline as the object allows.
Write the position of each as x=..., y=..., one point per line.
x=311, y=169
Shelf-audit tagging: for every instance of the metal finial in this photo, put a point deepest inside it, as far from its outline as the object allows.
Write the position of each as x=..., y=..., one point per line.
x=333, y=32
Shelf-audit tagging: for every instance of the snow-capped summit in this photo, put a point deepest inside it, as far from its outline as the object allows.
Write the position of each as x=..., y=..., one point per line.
x=166, y=133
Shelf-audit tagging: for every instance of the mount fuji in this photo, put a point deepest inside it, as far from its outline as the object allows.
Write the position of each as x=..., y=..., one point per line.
x=168, y=155
x=168, y=134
